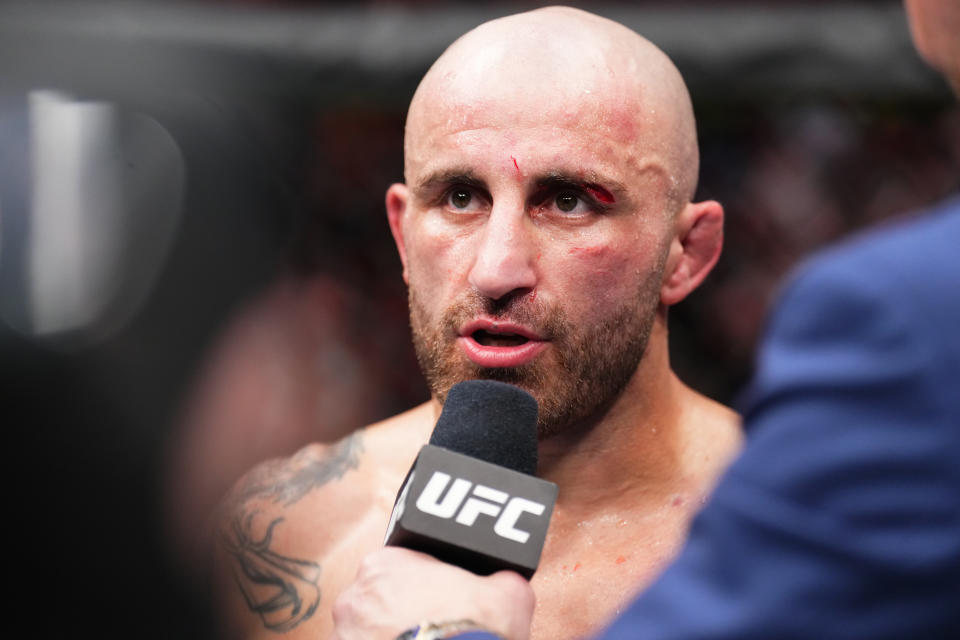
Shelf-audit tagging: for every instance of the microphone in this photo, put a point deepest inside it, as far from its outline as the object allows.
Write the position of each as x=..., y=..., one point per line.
x=470, y=498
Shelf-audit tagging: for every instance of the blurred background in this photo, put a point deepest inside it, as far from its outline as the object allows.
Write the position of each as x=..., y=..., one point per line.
x=196, y=272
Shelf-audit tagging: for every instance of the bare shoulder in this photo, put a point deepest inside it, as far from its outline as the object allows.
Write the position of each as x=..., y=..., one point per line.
x=718, y=415
x=714, y=434
x=285, y=481
x=291, y=531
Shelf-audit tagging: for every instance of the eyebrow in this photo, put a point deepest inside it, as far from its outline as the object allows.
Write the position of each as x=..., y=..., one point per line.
x=445, y=178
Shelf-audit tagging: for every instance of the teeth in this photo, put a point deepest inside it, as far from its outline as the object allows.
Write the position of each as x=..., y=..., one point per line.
x=488, y=339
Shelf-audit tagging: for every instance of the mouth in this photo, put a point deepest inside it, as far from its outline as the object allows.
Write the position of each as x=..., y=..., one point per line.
x=490, y=343
x=487, y=338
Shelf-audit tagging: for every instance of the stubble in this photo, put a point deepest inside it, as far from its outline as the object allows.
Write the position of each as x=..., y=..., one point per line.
x=579, y=377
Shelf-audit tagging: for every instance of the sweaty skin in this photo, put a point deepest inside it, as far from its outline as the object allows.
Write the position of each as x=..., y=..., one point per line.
x=550, y=162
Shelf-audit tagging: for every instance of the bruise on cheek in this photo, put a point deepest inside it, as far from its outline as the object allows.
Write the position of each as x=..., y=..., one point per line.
x=595, y=264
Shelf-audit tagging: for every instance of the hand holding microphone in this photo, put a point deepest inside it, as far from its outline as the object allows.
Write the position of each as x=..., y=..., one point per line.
x=470, y=500
x=397, y=589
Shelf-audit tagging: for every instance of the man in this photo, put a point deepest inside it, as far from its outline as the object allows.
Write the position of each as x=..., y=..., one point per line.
x=841, y=519
x=545, y=227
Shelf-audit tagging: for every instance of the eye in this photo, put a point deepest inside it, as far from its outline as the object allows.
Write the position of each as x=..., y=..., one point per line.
x=460, y=198
x=569, y=204
x=567, y=201
x=564, y=200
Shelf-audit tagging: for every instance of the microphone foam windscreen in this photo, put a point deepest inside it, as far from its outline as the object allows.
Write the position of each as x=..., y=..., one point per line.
x=492, y=421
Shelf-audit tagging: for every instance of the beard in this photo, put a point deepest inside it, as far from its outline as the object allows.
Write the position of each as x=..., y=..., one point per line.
x=574, y=382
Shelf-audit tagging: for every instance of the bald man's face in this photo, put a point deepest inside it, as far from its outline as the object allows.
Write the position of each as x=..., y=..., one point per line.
x=534, y=227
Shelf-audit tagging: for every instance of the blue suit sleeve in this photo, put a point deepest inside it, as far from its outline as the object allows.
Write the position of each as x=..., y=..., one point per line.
x=841, y=518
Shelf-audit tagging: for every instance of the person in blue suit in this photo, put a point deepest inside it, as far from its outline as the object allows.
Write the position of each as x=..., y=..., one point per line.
x=841, y=518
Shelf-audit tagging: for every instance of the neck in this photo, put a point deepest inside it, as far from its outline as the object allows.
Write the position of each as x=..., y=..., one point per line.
x=635, y=450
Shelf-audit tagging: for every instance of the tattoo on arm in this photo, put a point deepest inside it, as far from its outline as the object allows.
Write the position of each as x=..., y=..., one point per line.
x=282, y=590
x=303, y=473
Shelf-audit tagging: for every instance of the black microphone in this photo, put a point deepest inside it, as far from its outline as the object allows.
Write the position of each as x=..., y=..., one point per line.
x=470, y=498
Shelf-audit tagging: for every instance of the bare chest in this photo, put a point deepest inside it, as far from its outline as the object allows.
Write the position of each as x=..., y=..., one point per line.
x=591, y=571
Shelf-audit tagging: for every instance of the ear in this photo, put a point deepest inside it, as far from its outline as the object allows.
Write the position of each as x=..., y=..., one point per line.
x=397, y=196
x=696, y=247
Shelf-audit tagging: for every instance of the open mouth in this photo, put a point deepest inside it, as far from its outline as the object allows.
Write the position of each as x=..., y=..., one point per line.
x=488, y=339
x=495, y=343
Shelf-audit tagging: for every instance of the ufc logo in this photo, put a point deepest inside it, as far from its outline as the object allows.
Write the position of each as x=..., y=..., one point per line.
x=483, y=499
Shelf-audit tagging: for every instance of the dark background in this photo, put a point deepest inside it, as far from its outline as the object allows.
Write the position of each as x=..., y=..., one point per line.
x=815, y=119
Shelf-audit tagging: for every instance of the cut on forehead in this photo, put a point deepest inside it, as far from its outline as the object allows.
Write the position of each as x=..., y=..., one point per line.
x=526, y=64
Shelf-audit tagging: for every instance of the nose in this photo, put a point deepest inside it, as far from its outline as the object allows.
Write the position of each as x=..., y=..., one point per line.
x=505, y=260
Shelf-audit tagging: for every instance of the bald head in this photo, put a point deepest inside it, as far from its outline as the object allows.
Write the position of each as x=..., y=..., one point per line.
x=565, y=66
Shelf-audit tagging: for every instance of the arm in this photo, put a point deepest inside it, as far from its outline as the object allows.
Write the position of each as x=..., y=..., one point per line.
x=280, y=533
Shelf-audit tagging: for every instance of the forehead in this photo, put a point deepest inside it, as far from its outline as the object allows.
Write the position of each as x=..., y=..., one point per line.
x=545, y=125
x=552, y=95
x=504, y=83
